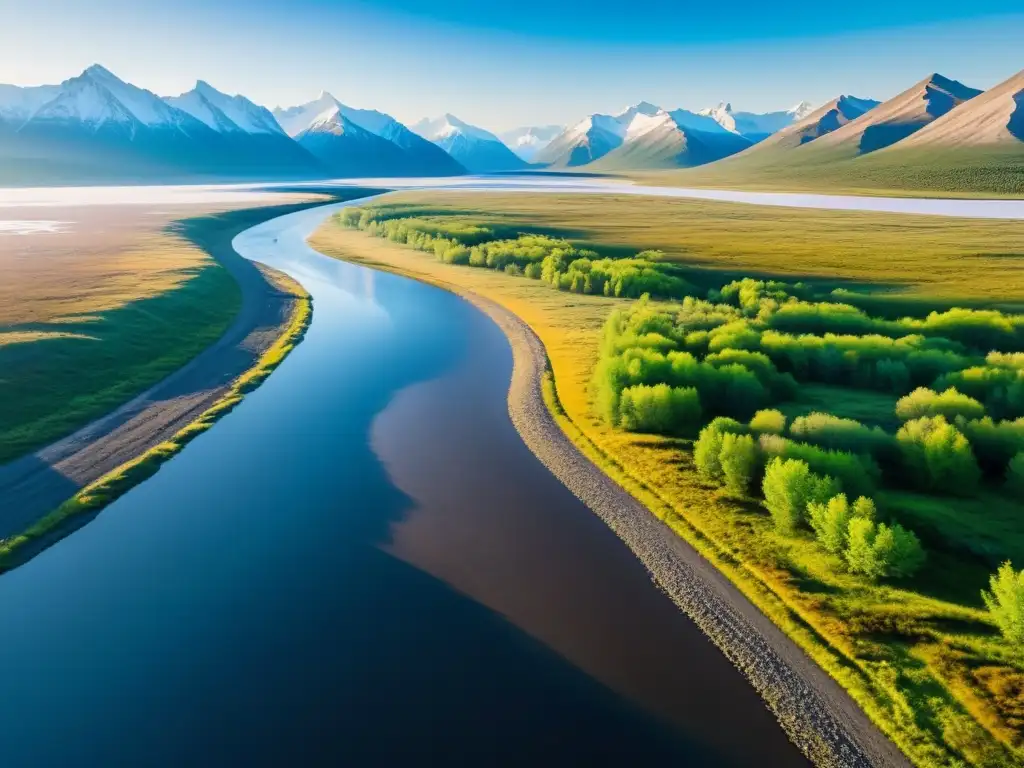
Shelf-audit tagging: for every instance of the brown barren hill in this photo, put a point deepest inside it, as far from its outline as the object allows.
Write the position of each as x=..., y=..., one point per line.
x=994, y=117
x=830, y=117
x=899, y=117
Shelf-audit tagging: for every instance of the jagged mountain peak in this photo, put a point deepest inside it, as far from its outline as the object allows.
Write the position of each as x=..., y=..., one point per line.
x=224, y=112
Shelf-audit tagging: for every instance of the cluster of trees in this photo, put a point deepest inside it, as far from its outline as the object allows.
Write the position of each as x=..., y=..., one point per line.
x=997, y=385
x=950, y=404
x=659, y=408
x=389, y=224
x=540, y=257
x=868, y=362
x=624, y=278
x=718, y=358
x=791, y=307
x=839, y=434
x=796, y=495
x=937, y=456
x=724, y=387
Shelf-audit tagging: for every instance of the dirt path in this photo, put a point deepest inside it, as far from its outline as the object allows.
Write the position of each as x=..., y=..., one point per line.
x=34, y=485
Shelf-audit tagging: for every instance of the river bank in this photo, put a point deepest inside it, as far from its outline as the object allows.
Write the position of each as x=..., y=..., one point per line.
x=815, y=712
x=53, y=491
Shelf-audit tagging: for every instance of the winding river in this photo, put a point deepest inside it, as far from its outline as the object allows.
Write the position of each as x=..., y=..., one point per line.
x=363, y=564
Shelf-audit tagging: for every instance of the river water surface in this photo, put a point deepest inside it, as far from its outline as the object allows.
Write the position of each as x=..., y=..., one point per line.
x=362, y=565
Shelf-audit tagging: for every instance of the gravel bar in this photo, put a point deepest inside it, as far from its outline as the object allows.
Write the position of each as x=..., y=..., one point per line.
x=816, y=713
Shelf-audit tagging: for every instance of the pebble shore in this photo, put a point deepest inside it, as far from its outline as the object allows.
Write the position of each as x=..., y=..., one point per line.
x=816, y=713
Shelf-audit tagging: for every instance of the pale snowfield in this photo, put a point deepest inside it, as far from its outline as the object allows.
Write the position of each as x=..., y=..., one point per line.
x=258, y=193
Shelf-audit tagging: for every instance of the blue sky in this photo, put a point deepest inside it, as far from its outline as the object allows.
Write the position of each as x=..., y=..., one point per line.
x=503, y=64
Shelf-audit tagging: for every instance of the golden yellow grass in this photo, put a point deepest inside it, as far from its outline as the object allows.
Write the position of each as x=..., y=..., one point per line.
x=108, y=256
x=924, y=666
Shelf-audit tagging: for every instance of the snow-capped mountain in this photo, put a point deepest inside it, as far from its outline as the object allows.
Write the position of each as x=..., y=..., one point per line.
x=527, y=141
x=97, y=100
x=97, y=127
x=753, y=125
x=224, y=113
x=592, y=138
x=19, y=104
x=421, y=157
x=479, y=151
x=643, y=136
x=348, y=149
x=250, y=128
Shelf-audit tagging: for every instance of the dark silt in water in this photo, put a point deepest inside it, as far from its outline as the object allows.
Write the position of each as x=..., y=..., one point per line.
x=363, y=565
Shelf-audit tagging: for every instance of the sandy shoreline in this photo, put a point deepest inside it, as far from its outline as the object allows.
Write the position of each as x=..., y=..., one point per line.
x=33, y=486
x=816, y=713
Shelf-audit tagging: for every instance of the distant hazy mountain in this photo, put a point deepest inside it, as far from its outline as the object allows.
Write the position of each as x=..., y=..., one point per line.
x=526, y=142
x=19, y=104
x=327, y=115
x=479, y=151
x=643, y=136
x=753, y=125
x=591, y=139
x=897, y=118
x=676, y=139
x=97, y=128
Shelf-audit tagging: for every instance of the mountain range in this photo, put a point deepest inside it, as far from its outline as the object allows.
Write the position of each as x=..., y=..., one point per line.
x=756, y=126
x=97, y=128
x=939, y=134
x=358, y=142
x=648, y=137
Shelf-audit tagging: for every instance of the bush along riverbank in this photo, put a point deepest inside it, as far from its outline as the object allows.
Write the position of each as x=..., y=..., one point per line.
x=857, y=472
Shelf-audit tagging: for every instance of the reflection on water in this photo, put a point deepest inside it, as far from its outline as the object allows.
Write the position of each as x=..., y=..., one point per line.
x=361, y=564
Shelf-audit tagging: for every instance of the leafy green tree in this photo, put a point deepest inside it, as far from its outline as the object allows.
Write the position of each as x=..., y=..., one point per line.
x=861, y=556
x=899, y=549
x=707, y=454
x=739, y=459
x=876, y=550
x=937, y=455
x=789, y=486
x=769, y=421
x=830, y=520
x=1005, y=602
